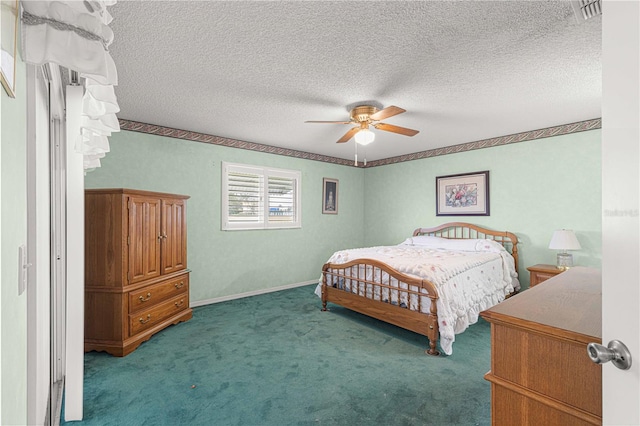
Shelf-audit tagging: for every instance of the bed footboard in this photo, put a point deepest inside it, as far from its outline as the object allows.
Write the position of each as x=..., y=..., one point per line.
x=373, y=288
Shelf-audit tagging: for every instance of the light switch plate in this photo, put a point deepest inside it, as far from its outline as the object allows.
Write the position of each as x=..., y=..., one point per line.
x=22, y=269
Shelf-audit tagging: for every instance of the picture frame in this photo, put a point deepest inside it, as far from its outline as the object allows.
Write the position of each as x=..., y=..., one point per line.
x=329, y=196
x=8, y=45
x=465, y=194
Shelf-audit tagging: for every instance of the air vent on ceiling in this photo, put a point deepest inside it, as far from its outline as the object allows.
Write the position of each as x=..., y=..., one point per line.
x=586, y=9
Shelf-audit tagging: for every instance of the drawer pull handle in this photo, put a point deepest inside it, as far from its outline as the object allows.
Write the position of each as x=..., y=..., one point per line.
x=143, y=299
x=179, y=285
x=144, y=321
x=180, y=303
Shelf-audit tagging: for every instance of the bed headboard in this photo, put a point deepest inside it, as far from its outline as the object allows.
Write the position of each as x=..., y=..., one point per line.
x=461, y=230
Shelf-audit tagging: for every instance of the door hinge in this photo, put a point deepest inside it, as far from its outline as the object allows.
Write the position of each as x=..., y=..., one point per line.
x=128, y=239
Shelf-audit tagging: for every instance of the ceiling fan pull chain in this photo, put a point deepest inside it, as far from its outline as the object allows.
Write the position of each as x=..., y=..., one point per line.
x=356, y=161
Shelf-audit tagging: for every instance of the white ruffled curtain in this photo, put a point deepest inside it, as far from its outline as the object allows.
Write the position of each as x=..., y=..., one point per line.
x=76, y=35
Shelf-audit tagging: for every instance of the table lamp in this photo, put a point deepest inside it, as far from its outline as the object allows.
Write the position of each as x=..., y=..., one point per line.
x=563, y=240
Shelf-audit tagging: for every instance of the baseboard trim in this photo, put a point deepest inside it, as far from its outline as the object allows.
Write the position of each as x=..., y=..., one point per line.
x=195, y=304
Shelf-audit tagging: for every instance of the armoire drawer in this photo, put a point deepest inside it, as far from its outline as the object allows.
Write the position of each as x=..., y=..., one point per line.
x=143, y=320
x=149, y=296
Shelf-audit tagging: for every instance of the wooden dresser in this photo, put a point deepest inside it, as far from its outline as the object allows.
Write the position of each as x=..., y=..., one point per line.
x=136, y=276
x=540, y=371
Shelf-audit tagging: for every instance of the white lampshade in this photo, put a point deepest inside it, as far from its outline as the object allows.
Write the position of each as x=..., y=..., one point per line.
x=365, y=137
x=564, y=239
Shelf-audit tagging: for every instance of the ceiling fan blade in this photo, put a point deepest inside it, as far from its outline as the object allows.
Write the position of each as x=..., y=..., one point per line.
x=396, y=129
x=348, y=135
x=333, y=122
x=387, y=112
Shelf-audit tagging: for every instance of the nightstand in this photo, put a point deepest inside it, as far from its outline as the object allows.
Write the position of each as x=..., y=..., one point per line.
x=539, y=273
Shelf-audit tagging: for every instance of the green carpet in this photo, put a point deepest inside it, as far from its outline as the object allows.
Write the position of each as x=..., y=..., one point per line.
x=276, y=359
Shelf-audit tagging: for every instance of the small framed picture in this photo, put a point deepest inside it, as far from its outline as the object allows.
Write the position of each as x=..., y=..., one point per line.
x=465, y=194
x=8, y=41
x=329, y=196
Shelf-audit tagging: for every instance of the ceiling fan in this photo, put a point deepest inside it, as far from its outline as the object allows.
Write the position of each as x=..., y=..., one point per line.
x=364, y=116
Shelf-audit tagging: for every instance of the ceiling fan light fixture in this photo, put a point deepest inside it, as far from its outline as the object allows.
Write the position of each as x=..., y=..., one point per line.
x=364, y=116
x=365, y=136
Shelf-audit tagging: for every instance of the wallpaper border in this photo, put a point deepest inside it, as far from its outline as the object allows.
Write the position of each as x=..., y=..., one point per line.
x=564, y=129
x=152, y=129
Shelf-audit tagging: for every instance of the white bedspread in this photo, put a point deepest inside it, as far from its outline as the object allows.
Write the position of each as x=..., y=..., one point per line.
x=468, y=282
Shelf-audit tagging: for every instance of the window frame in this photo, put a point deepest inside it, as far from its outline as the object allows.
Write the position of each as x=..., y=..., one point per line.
x=262, y=220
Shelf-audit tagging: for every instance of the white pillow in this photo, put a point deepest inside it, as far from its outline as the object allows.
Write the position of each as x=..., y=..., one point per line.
x=455, y=244
x=425, y=240
x=473, y=245
x=460, y=245
x=490, y=246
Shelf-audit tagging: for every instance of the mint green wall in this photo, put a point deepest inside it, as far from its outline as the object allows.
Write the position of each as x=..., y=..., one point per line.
x=226, y=263
x=13, y=181
x=535, y=187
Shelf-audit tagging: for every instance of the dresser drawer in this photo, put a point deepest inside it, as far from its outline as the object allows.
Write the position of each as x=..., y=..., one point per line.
x=143, y=320
x=149, y=296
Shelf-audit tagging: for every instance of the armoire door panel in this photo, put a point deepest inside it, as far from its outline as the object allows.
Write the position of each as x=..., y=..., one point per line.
x=174, y=228
x=144, y=238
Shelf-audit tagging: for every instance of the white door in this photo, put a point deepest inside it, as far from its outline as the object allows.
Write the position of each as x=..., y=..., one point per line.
x=38, y=247
x=45, y=110
x=58, y=240
x=620, y=204
x=74, y=268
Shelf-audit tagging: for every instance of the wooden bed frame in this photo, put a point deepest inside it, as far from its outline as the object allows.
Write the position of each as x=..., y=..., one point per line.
x=425, y=324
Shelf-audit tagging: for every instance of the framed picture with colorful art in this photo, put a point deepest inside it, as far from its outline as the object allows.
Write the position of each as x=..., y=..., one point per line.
x=329, y=196
x=465, y=194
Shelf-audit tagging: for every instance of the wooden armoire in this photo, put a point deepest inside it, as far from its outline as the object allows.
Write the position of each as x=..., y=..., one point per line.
x=136, y=276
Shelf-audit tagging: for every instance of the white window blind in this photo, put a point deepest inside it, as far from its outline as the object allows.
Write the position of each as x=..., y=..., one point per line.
x=259, y=197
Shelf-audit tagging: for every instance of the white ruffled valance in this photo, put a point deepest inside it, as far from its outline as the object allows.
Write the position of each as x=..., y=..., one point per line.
x=76, y=35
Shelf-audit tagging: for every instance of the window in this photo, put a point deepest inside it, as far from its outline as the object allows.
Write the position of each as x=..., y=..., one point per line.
x=259, y=197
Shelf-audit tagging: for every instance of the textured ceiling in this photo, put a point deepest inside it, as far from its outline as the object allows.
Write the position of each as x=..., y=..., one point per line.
x=256, y=71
